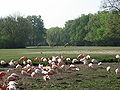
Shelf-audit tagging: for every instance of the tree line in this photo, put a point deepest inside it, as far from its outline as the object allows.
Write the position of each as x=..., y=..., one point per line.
x=99, y=29
x=19, y=31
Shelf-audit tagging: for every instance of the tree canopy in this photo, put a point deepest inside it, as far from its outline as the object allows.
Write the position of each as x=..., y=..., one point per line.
x=14, y=32
x=37, y=35
x=102, y=28
x=56, y=36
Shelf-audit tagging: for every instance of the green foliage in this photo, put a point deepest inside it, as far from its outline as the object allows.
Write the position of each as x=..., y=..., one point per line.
x=97, y=28
x=101, y=28
x=37, y=35
x=76, y=29
x=14, y=32
x=18, y=31
x=56, y=36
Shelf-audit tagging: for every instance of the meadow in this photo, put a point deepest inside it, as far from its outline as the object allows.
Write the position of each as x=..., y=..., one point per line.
x=100, y=53
x=84, y=79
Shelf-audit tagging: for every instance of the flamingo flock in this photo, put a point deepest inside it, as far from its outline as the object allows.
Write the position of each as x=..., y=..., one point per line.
x=56, y=64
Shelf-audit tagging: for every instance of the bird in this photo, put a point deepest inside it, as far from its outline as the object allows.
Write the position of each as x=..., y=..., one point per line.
x=23, y=58
x=54, y=59
x=46, y=77
x=33, y=74
x=37, y=71
x=59, y=60
x=108, y=68
x=94, y=61
x=23, y=72
x=117, y=71
x=85, y=62
x=37, y=59
x=117, y=56
x=2, y=74
x=13, y=77
x=50, y=61
x=29, y=61
x=80, y=56
x=74, y=60
x=44, y=60
x=87, y=57
x=2, y=62
x=11, y=63
x=44, y=72
x=72, y=67
x=29, y=70
x=68, y=59
x=99, y=63
x=11, y=85
x=3, y=87
x=54, y=66
x=18, y=66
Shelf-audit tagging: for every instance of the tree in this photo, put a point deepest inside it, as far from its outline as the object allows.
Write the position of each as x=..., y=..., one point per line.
x=76, y=30
x=38, y=31
x=111, y=5
x=112, y=35
x=14, y=32
x=56, y=36
x=104, y=29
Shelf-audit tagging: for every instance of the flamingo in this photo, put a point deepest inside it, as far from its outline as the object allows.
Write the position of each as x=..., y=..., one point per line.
x=11, y=78
x=38, y=71
x=18, y=66
x=99, y=63
x=74, y=60
x=23, y=58
x=68, y=59
x=80, y=56
x=23, y=72
x=29, y=61
x=46, y=77
x=11, y=63
x=2, y=62
x=33, y=74
x=3, y=87
x=12, y=85
x=108, y=68
x=94, y=61
x=117, y=71
x=117, y=56
x=2, y=74
x=87, y=57
x=37, y=59
x=90, y=65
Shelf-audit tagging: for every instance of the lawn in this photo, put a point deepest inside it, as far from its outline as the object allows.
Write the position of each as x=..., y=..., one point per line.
x=100, y=53
x=84, y=79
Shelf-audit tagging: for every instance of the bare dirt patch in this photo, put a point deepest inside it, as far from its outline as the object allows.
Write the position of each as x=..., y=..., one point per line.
x=74, y=52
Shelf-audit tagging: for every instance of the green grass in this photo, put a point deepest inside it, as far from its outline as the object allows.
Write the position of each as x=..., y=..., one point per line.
x=8, y=54
x=85, y=79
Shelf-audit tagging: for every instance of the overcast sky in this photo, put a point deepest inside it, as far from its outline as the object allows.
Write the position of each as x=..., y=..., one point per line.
x=53, y=12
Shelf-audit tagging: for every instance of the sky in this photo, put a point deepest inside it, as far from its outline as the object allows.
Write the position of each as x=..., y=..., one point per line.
x=53, y=12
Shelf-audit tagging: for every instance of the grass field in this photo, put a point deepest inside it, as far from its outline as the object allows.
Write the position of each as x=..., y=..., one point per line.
x=100, y=53
x=84, y=79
